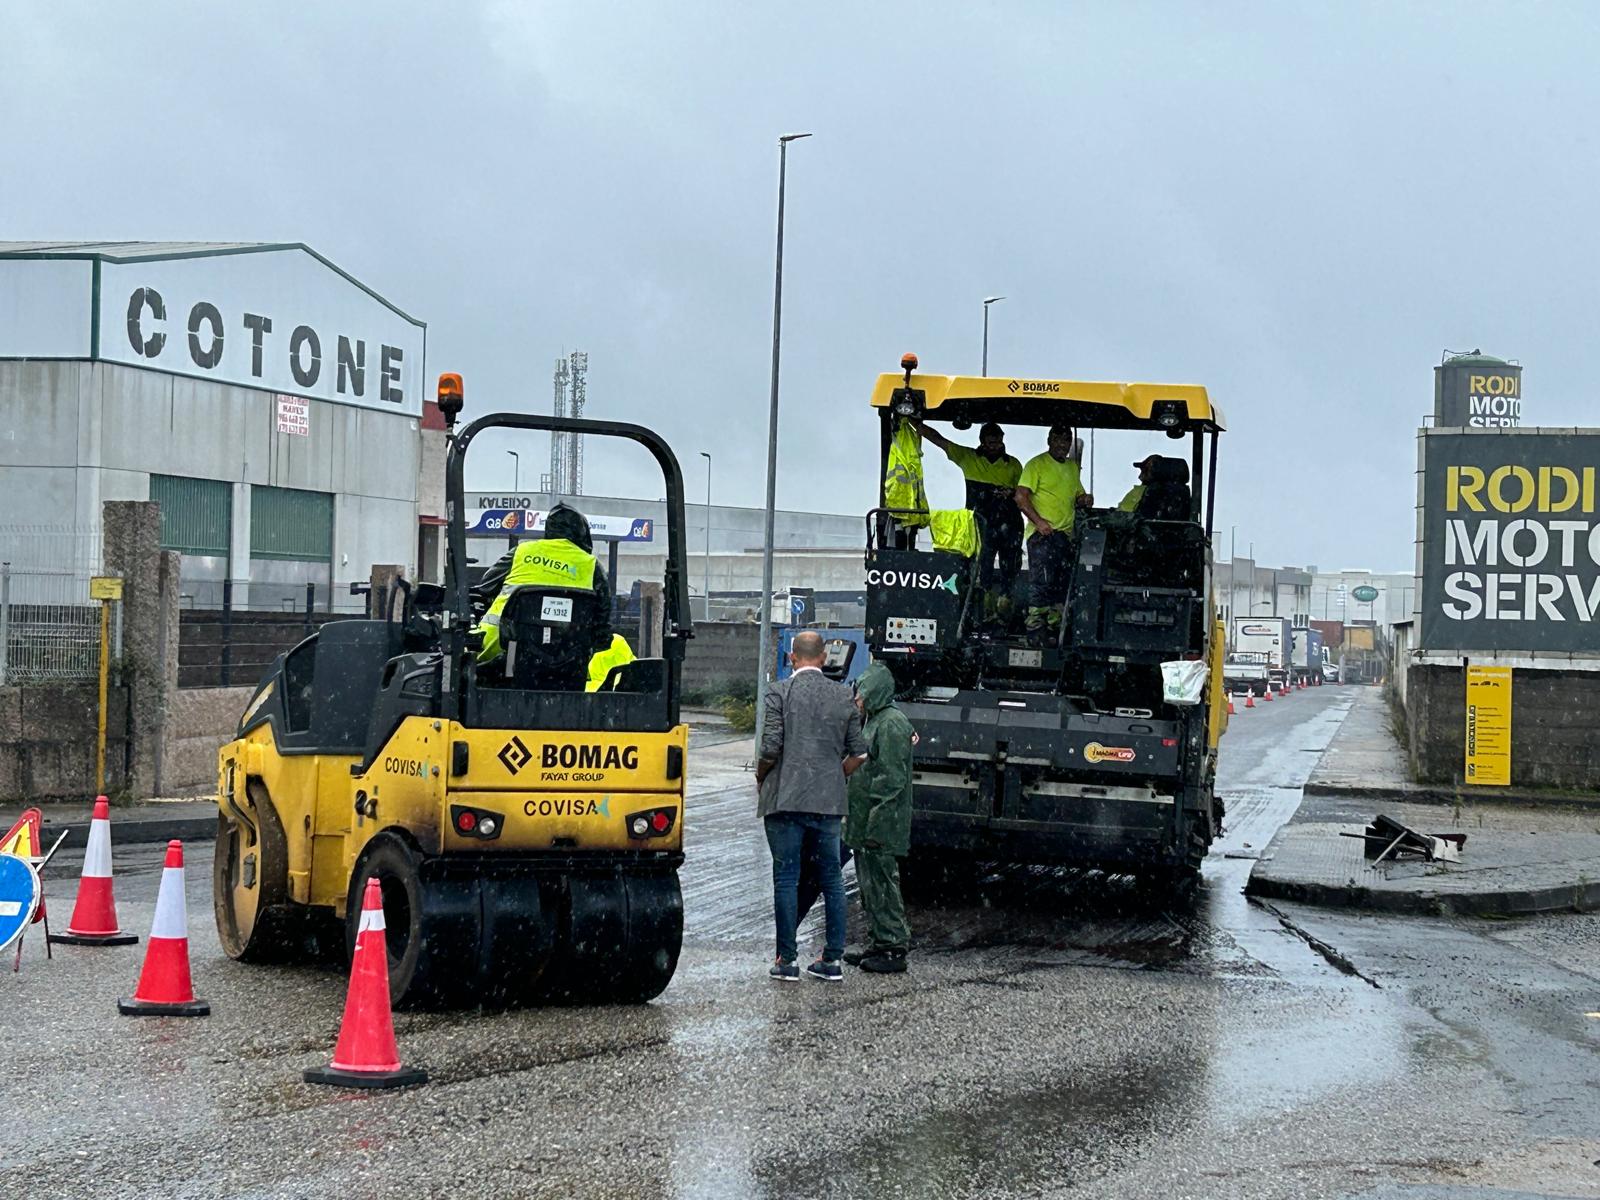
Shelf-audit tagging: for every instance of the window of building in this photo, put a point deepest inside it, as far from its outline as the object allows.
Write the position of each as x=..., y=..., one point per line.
x=287, y=523
x=196, y=514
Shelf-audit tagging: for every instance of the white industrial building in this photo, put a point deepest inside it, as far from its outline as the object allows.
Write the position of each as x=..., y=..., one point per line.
x=271, y=402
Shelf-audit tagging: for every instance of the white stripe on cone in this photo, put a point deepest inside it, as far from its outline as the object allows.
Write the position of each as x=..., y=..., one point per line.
x=97, y=854
x=172, y=916
x=371, y=918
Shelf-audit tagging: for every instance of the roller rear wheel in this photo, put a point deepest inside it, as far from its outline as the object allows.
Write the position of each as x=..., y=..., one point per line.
x=431, y=926
x=462, y=933
x=619, y=939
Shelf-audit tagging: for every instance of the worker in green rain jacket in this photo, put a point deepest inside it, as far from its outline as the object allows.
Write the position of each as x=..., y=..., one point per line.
x=878, y=825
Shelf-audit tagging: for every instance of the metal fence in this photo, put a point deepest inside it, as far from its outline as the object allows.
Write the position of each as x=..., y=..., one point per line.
x=49, y=627
x=231, y=645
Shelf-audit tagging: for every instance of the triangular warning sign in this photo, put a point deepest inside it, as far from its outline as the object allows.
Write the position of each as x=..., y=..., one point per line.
x=24, y=839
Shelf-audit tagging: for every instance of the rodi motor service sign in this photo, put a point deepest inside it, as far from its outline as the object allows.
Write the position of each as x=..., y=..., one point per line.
x=1510, y=552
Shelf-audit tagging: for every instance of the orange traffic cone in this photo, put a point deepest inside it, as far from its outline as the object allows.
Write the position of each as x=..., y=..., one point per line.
x=94, y=917
x=164, y=987
x=1250, y=698
x=366, y=1056
x=1230, y=704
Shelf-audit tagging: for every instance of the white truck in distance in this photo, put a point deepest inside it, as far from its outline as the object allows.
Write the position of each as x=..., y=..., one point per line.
x=1267, y=641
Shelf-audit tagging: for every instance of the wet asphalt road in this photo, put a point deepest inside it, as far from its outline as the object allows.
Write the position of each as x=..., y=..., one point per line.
x=1058, y=1034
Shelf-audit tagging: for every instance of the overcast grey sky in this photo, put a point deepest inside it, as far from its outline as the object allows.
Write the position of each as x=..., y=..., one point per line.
x=1297, y=207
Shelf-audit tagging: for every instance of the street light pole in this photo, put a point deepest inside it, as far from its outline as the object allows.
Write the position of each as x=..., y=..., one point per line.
x=772, y=447
x=516, y=485
x=705, y=454
x=988, y=300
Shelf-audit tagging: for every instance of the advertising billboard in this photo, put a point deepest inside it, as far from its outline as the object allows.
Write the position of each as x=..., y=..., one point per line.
x=1509, y=549
x=518, y=522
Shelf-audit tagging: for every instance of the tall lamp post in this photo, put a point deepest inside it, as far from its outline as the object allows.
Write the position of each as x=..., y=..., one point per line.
x=772, y=447
x=516, y=478
x=706, y=454
x=987, y=300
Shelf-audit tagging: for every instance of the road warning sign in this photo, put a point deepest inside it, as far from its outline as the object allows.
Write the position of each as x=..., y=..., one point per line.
x=19, y=897
x=1488, y=744
x=24, y=839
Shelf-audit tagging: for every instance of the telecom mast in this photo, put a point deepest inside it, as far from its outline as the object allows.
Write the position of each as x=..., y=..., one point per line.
x=580, y=388
x=558, y=441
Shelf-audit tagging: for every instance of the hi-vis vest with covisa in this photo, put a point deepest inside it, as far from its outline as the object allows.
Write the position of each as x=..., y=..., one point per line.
x=553, y=564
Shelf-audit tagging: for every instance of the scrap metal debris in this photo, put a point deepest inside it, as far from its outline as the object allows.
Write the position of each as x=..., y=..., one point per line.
x=1387, y=838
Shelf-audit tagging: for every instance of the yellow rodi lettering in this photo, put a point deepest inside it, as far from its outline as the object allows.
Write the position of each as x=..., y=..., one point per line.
x=1568, y=479
x=1497, y=480
x=1461, y=486
x=1494, y=385
x=1553, y=490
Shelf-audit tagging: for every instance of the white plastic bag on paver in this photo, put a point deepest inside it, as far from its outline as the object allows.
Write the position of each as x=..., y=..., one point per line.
x=1183, y=682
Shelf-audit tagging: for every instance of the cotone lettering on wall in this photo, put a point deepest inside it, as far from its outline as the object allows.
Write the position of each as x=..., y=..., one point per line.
x=301, y=350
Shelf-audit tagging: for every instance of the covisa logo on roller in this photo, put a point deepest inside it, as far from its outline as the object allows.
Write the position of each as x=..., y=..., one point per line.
x=912, y=579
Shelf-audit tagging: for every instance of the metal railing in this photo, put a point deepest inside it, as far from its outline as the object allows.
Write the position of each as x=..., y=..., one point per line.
x=229, y=646
x=49, y=627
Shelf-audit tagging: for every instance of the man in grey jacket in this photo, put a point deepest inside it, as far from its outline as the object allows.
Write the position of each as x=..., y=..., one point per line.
x=811, y=742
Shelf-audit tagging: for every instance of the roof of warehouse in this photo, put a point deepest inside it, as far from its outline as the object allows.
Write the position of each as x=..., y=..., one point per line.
x=131, y=250
x=155, y=251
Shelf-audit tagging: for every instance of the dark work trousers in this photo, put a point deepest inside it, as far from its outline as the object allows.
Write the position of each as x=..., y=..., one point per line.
x=1000, y=557
x=878, y=873
x=1049, y=575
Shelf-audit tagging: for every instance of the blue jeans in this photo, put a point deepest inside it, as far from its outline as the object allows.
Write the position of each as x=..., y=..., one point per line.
x=806, y=837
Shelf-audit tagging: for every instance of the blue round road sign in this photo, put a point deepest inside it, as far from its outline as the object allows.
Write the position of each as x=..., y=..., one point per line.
x=19, y=897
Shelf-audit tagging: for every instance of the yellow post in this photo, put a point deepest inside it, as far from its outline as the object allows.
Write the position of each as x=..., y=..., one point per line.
x=100, y=721
x=104, y=588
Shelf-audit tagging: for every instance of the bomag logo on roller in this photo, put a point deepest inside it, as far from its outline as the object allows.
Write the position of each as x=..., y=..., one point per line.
x=1096, y=753
x=574, y=762
x=589, y=758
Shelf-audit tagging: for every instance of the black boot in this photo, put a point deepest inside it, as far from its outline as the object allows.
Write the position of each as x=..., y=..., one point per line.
x=884, y=962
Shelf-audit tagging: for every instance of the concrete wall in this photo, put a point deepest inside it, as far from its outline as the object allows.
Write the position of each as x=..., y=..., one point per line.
x=721, y=650
x=47, y=741
x=1400, y=657
x=199, y=722
x=1553, y=742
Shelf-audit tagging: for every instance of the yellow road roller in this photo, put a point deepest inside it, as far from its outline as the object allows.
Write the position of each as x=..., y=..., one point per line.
x=526, y=832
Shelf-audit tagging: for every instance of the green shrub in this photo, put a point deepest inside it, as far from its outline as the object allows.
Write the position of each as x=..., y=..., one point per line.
x=741, y=714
